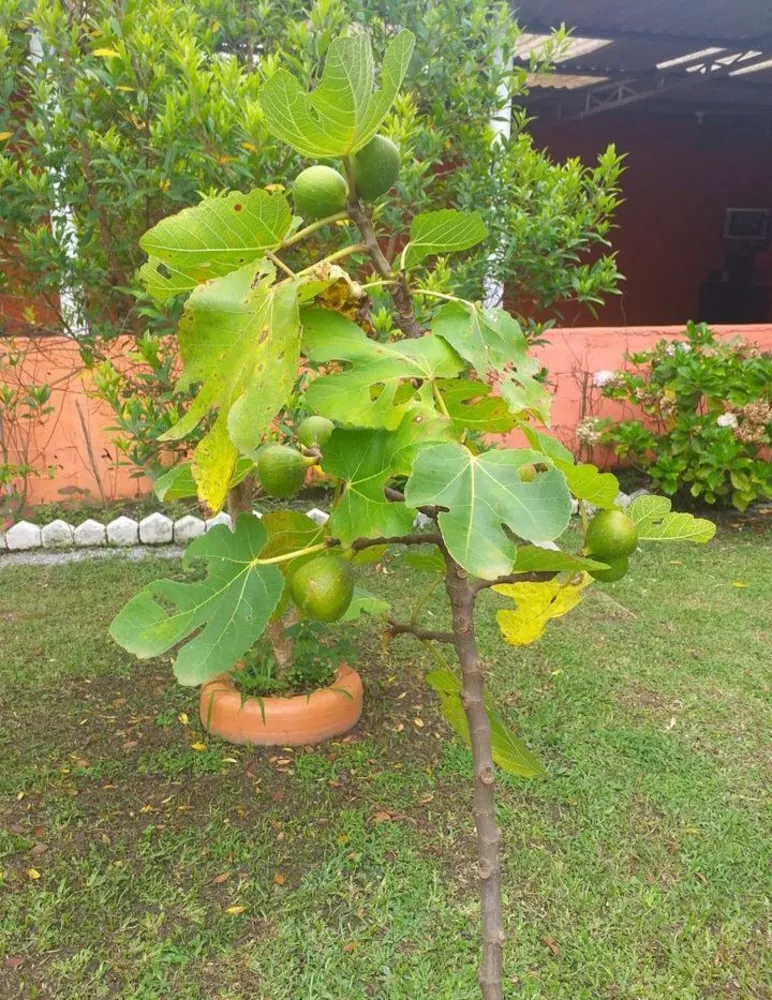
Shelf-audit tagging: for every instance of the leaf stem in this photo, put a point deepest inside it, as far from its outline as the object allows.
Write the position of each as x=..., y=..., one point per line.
x=440, y=401
x=420, y=604
x=437, y=295
x=287, y=556
x=301, y=234
x=331, y=258
x=280, y=263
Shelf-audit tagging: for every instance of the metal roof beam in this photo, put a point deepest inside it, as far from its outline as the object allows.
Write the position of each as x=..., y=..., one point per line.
x=622, y=93
x=652, y=37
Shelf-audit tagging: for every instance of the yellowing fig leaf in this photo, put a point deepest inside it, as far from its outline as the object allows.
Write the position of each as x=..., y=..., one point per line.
x=657, y=523
x=212, y=239
x=483, y=493
x=344, y=112
x=225, y=613
x=507, y=750
x=587, y=483
x=532, y=559
x=442, y=232
x=178, y=482
x=239, y=338
x=537, y=604
x=384, y=381
x=493, y=343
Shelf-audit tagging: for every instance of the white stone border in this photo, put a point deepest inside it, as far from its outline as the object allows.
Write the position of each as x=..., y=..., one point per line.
x=121, y=533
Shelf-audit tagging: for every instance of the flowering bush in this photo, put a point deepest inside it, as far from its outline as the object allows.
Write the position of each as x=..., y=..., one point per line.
x=708, y=407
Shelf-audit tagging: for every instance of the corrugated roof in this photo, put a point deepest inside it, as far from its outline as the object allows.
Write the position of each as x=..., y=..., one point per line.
x=728, y=20
x=661, y=51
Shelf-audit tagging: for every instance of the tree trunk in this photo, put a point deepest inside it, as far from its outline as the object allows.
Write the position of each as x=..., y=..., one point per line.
x=462, y=597
x=240, y=502
x=240, y=499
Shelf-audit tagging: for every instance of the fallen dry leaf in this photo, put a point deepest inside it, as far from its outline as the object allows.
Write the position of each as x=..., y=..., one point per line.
x=349, y=946
x=234, y=911
x=13, y=963
x=129, y=745
x=183, y=718
x=219, y=879
x=33, y=874
x=279, y=879
x=38, y=850
x=198, y=747
x=381, y=816
x=552, y=944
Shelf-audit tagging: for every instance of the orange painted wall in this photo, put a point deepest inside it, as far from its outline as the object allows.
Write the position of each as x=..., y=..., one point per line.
x=679, y=178
x=571, y=356
x=60, y=446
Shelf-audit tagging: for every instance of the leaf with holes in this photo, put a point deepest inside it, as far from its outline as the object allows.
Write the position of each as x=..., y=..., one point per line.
x=484, y=494
x=344, y=112
x=178, y=482
x=211, y=239
x=445, y=231
x=366, y=461
x=239, y=338
x=472, y=406
x=657, y=523
x=587, y=483
x=537, y=604
x=224, y=614
x=493, y=343
x=383, y=381
x=507, y=750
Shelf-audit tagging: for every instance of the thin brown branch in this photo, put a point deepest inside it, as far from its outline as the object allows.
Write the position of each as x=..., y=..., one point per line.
x=405, y=317
x=462, y=598
x=417, y=539
x=405, y=628
x=396, y=497
x=533, y=577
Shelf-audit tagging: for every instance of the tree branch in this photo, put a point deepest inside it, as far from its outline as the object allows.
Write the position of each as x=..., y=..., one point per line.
x=400, y=293
x=462, y=597
x=534, y=576
x=367, y=543
x=396, y=497
x=405, y=628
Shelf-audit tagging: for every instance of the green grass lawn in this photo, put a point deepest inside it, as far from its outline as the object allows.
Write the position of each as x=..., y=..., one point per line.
x=639, y=869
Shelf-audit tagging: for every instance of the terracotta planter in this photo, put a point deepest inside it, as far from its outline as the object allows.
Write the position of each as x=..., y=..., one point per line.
x=301, y=720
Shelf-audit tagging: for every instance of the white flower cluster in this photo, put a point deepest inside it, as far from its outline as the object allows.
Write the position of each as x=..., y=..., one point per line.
x=727, y=420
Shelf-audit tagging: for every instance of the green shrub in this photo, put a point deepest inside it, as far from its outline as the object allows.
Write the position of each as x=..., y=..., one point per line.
x=708, y=417
x=129, y=116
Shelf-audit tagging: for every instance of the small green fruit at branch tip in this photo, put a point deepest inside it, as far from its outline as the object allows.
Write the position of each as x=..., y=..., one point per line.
x=319, y=191
x=611, y=535
x=376, y=168
x=281, y=470
x=315, y=431
x=617, y=568
x=322, y=588
x=528, y=472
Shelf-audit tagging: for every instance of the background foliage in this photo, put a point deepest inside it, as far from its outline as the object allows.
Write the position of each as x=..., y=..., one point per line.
x=138, y=109
x=708, y=405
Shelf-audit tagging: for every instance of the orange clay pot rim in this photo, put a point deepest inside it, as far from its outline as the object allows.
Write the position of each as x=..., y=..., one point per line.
x=225, y=682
